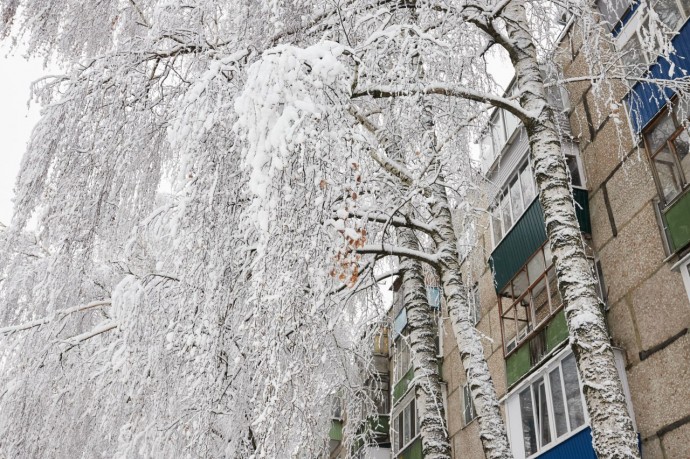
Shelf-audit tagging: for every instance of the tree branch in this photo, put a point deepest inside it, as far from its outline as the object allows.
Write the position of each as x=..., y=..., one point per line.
x=381, y=217
x=386, y=91
x=55, y=316
x=391, y=250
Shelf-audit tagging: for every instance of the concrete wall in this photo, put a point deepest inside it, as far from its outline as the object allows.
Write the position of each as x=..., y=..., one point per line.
x=649, y=308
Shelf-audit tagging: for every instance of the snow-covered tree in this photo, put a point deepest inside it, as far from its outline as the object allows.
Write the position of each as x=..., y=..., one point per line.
x=213, y=184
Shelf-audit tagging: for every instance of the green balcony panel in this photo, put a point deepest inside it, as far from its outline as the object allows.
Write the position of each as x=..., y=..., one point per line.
x=379, y=425
x=336, y=432
x=556, y=331
x=677, y=217
x=582, y=209
x=401, y=386
x=527, y=235
x=518, y=364
x=413, y=450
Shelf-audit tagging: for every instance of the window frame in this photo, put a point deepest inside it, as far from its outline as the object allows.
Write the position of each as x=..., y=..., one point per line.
x=634, y=19
x=469, y=414
x=504, y=196
x=514, y=416
x=403, y=410
x=514, y=409
x=401, y=348
x=532, y=326
x=679, y=127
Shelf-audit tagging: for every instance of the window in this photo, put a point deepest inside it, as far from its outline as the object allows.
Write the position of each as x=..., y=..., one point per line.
x=406, y=427
x=474, y=304
x=433, y=295
x=512, y=202
x=401, y=357
x=546, y=408
x=468, y=413
x=529, y=300
x=629, y=22
x=667, y=142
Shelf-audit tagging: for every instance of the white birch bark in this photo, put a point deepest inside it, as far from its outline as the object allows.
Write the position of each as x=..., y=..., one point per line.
x=492, y=431
x=428, y=393
x=612, y=428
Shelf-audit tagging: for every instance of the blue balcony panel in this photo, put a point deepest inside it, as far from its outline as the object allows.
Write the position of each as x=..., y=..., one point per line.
x=579, y=446
x=646, y=99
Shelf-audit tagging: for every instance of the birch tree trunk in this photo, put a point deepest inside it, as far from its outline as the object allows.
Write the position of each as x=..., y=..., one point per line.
x=492, y=431
x=612, y=427
x=428, y=393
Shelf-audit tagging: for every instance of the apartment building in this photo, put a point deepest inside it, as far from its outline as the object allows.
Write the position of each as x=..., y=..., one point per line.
x=633, y=207
x=634, y=213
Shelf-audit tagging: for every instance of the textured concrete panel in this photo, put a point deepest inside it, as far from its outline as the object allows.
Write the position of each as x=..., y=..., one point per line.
x=677, y=442
x=660, y=389
x=661, y=307
x=633, y=255
x=623, y=330
x=634, y=178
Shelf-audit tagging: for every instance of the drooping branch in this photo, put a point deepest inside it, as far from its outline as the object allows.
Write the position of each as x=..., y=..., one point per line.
x=98, y=330
x=53, y=317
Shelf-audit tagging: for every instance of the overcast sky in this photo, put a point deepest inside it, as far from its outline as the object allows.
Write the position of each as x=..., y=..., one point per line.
x=16, y=121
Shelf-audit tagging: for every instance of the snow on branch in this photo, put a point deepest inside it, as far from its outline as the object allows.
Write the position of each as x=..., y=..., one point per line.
x=387, y=91
x=390, y=250
x=395, y=221
x=98, y=330
x=53, y=317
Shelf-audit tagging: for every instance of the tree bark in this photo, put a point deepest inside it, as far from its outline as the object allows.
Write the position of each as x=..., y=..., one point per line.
x=492, y=431
x=612, y=427
x=428, y=393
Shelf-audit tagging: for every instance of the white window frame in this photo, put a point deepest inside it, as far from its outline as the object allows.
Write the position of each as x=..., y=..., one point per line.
x=505, y=195
x=400, y=409
x=684, y=267
x=513, y=413
x=398, y=371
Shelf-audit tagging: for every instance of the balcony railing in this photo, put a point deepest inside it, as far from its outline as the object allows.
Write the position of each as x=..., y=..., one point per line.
x=527, y=235
x=539, y=344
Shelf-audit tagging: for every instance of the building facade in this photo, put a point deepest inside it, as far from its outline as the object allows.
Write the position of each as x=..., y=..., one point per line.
x=633, y=206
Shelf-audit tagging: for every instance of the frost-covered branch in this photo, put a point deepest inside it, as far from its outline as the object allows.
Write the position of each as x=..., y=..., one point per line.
x=388, y=91
x=391, y=250
x=396, y=221
x=53, y=317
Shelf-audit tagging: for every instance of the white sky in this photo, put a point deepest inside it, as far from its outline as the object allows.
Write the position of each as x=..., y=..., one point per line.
x=16, y=121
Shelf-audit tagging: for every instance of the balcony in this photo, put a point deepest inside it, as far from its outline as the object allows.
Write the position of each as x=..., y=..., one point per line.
x=527, y=235
x=542, y=343
x=677, y=221
x=401, y=386
x=412, y=451
x=646, y=98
